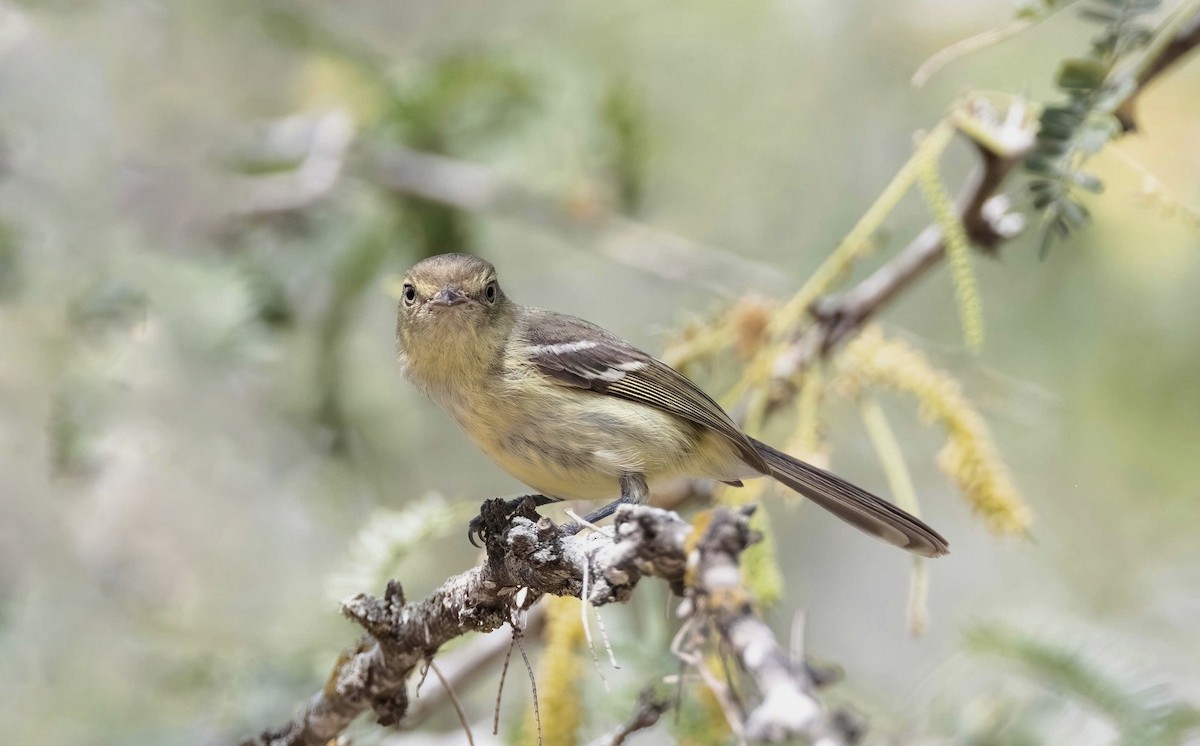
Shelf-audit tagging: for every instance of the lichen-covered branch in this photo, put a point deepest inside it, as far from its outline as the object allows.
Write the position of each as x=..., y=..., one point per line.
x=528, y=558
x=715, y=595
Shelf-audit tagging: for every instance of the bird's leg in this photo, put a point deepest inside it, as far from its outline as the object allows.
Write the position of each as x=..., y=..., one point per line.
x=494, y=515
x=634, y=490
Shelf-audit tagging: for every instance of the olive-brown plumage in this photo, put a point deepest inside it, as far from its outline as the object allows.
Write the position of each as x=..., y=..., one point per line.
x=578, y=413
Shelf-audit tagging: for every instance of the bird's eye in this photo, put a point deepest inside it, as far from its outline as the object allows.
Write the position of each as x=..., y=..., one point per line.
x=410, y=294
x=490, y=292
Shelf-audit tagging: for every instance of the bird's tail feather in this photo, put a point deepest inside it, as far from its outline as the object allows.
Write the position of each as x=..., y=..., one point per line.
x=856, y=506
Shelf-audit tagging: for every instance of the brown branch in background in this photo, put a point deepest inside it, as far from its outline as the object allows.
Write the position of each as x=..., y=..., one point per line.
x=1185, y=39
x=987, y=222
x=528, y=558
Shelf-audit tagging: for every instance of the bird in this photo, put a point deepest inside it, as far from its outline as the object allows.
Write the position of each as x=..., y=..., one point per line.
x=577, y=413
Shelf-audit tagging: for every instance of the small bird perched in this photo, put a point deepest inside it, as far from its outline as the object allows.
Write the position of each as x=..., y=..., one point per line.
x=579, y=414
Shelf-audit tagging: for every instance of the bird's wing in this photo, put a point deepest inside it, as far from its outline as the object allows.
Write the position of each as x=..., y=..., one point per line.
x=573, y=352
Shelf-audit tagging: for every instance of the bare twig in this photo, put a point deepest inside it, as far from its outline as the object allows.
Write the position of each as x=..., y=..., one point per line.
x=587, y=629
x=982, y=40
x=463, y=666
x=964, y=47
x=458, y=707
x=650, y=707
x=537, y=712
x=512, y=643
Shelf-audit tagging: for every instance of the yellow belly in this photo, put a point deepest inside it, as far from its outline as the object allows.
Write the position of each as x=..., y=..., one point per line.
x=577, y=445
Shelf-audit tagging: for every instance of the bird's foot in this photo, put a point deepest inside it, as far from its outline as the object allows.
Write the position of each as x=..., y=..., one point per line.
x=495, y=515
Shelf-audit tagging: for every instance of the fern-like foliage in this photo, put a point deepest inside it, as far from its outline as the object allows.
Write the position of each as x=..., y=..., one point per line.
x=1142, y=709
x=1077, y=128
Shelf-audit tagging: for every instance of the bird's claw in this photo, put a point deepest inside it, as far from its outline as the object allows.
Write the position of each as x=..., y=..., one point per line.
x=495, y=515
x=475, y=530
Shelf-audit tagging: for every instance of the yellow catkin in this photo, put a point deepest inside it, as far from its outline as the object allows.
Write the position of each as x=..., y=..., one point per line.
x=806, y=441
x=750, y=317
x=958, y=247
x=969, y=457
x=559, y=676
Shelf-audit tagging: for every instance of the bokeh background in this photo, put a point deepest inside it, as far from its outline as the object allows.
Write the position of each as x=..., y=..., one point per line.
x=206, y=442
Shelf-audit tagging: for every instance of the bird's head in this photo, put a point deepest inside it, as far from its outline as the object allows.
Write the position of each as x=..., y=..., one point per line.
x=451, y=303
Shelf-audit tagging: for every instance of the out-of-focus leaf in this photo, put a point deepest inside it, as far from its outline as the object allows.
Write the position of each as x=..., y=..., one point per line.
x=622, y=117
x=459, y=101
x=1115, y=91
x=1097, y=132
x=11, y=262
x=1144, y=711
x=1081, y=73
x=1087, y=182
x=1099, y=14
x=107, y=302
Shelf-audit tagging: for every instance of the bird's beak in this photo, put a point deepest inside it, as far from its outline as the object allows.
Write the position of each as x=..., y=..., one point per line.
x=447, y=298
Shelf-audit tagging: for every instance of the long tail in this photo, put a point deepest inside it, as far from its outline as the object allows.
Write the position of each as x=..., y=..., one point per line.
x=857, y=507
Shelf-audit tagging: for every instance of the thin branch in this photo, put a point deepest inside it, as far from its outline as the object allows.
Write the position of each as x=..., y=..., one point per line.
x=964, y=47
x=454, y=700
x=463, y=666
x=984, y=39
x=650, y=707
x=537, y=712
x=529, y=552
x=984, y=215
x=1161, y=57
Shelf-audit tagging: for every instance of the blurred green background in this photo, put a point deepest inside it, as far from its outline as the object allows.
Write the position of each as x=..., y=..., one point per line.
x=200, y=409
